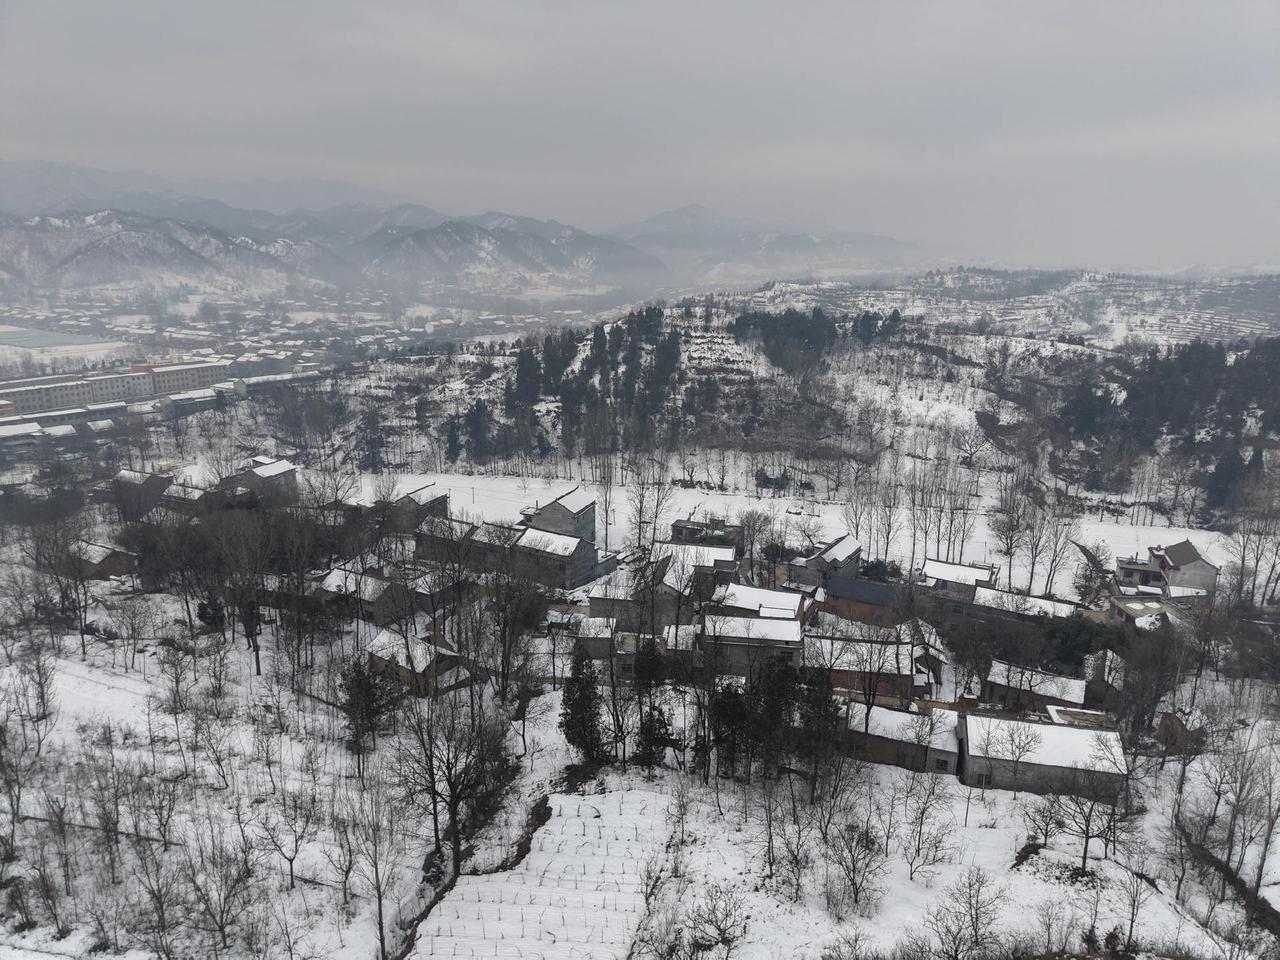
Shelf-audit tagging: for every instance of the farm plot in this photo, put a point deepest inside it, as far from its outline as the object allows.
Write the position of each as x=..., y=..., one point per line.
x=578, y=892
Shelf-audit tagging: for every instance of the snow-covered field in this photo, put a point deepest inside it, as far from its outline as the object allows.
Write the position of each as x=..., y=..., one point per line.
x=578, y=892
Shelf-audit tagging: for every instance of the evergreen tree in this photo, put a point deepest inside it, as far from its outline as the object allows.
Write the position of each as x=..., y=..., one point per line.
x=650, y=670
x=728, y=728
x=453, y=440
x=365, y=698
x=654, y=734
x=580, y=709
x=371, y=440
x=479, y=424
x=528, y=382
x=868, y=323
x=599, y=355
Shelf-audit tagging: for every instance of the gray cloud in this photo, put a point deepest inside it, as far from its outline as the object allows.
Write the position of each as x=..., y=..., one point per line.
x=1132, y=134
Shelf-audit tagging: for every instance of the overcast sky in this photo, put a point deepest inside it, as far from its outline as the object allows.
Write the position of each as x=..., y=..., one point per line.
x=1111, y=133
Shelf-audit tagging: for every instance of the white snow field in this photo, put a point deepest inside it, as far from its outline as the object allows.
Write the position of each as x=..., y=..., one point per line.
x=578, y=892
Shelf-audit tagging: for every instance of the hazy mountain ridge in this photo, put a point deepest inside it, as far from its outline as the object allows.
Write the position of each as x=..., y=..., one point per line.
x=703, y=246
x=406, y=245
x=63, y=210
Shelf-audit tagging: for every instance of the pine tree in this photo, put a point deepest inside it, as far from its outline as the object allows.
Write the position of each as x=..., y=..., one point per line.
x=453, y=440
x=580, y=710
x=650, y=671
x=365, y=698
x=652, y=739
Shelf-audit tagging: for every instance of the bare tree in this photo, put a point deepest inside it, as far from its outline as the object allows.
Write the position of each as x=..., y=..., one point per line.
x=649, y=497
x=379, y=845
x=35, y=694
x=1085, y=815
x=163, y=918
x=340, y=851
x=963, y=921
x=1016, y=742
x=1042, y=816
x=928, y=825
x=717, y=922
x=1136, y=889
x=858, y=854
x=218, y=867
x=1008, y=522
x=290, y=826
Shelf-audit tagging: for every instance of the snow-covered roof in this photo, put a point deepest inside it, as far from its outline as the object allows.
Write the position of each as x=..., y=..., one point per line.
x=754, y=629
x=619, y=584
x=1078, y=717
x=352, y=583
x=275, y=468
x=861, y=656
x=134, y=476
x=695, y=554
x=957, y=572
x=680, y=636
x=446, y=528
x=1140, y=608
x=424, y=494
x=390, y=645
x=937, y=728
x=92, y=552
x=497, y=534
x=838, y=550
x=1045, y=744
x=1038, y=682
x=767, y=603
x=199, y=365
x=576, y=500
x=19, y=430
x=687, y=558
x=1017, y=603
x=545, y=542
x=564, y=620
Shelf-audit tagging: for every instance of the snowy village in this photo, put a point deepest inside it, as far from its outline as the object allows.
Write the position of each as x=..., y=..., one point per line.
x=876, y=557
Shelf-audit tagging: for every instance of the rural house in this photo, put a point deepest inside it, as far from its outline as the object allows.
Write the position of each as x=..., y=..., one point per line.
x=425, y=665
x=841, y=556
x=571, y=514
x=738, y=644
x=925, y=742
x=1177, y=570
x=960, y=578
x=1026, y=689
x=711, y=532
x=741, y=600
x=135, y=493
x=1007, y=754
x=101, y=561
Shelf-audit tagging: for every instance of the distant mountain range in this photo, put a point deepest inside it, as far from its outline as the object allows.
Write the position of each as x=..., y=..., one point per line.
x=701, y=246
x=64, y=226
